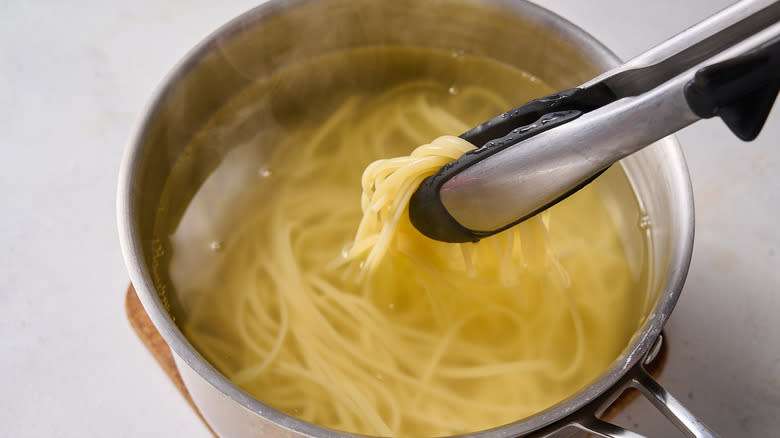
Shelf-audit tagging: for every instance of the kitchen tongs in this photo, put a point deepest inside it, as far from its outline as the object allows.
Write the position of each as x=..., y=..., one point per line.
x=535, y=155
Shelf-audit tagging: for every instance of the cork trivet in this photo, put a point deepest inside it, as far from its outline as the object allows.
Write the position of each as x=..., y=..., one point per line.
x=151, y=338
x=149, y=335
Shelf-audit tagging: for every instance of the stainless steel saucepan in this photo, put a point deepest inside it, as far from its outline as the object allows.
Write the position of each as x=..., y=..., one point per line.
x=651, y=186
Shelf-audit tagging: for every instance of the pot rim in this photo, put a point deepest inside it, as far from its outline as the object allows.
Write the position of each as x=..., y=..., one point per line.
x=132, y=247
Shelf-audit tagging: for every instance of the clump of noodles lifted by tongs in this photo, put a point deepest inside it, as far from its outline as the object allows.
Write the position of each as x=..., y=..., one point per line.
x=533, y=156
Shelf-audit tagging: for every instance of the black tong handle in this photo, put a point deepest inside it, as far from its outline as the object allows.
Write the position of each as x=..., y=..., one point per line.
x=740, y=90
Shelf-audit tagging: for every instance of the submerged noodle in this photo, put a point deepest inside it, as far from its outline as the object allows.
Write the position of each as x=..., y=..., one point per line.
x=425, y=338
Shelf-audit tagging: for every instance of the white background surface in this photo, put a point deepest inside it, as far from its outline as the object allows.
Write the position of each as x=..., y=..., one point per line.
x=74, y=77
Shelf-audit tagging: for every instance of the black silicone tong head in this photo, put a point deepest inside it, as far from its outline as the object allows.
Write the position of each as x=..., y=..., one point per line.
x=426, y=211
x=575, y=99
x=741, y=90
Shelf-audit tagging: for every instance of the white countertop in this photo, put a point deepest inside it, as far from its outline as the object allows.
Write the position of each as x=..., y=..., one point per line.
x=74, y=77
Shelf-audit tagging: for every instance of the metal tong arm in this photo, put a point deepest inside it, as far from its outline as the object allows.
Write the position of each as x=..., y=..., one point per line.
x=726, y=65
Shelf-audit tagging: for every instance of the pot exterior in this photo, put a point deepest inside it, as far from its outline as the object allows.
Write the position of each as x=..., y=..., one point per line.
x=268, y=38
x=227, y=418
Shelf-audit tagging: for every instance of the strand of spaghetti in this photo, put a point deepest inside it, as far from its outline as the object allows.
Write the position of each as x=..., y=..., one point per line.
x=389, y=228
x=363, y=407
x=485, y=95
x=443, y=121
x=241, y=310
x=316, y=139
x=352, y=397
x=446, y=340
x=442, y=393
x=302, y=373
x=473, y=289
x=402, y=91
x=421, y=167
x=403, y=122
x=544, y=366
x=464, y=249
x=579, y=335
x=248, y=374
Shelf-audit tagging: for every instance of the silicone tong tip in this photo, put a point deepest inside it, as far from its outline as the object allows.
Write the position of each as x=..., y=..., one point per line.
x=426, y=210
x=741, y=90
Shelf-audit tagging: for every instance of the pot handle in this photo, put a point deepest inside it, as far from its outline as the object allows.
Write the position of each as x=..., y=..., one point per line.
x=637, y=377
